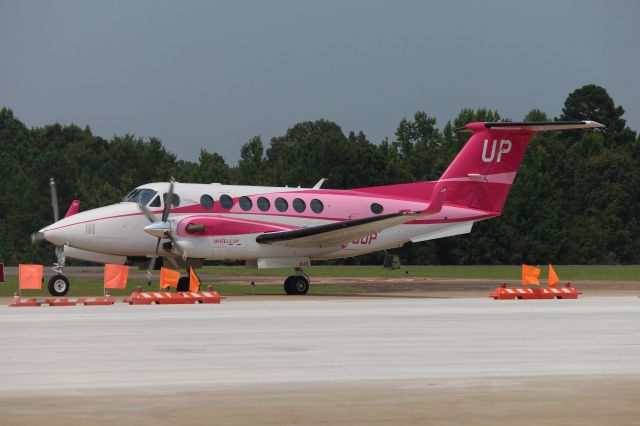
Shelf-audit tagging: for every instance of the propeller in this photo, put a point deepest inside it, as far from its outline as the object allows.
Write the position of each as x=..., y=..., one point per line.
x=54, y=200
x=37, y=237
x=160, y=228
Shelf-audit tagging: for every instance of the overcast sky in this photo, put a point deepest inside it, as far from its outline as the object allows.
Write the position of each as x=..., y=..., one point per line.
x=214, y=74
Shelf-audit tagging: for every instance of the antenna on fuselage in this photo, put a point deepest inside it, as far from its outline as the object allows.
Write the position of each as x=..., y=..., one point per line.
x=320, y=183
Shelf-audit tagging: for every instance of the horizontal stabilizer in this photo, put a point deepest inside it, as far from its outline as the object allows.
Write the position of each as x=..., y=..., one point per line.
x=539, y=126
x=447, y=230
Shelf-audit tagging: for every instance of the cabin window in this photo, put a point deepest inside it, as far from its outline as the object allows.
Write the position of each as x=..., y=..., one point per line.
x=281, y=204
x=156, y=202
x=299, y=205
x=376, y=208
x=245, y=203
x=225, y=201
x=206, y=201
x=263, y=204
x=317, y=206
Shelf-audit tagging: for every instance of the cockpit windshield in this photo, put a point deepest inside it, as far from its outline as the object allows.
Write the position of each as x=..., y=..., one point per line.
x=140, y=196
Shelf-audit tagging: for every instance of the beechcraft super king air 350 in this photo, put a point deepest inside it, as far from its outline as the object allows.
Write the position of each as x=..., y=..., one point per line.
x=272, y=227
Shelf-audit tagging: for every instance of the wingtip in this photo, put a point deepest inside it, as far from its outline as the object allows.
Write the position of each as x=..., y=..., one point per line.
x=594, y=124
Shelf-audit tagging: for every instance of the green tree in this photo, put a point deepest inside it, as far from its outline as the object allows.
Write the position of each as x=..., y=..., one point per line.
x=251, y=164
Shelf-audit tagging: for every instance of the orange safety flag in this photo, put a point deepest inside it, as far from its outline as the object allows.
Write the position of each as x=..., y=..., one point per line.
x=115, y=276
x=553, y=277
x=30, y=277
x=194, y=281
x=530, y=275
x=169, y=278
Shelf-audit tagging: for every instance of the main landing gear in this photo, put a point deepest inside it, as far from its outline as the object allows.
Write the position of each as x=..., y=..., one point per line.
x=297, y=284
x=58, y=284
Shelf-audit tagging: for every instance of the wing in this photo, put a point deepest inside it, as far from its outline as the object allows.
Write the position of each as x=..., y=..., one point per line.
x=334, y=234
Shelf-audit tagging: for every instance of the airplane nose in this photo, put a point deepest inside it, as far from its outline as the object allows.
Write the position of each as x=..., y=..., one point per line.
x=37, y=237
x=56, y=236
x=158, y=229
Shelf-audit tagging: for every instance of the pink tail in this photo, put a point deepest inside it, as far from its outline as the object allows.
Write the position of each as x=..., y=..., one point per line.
x=482, y=173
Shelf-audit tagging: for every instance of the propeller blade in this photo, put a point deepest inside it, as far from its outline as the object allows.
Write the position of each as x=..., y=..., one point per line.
x=168, y=201
x=152, y=218
x=157, y=247
x=54, y=199
x=152, y=264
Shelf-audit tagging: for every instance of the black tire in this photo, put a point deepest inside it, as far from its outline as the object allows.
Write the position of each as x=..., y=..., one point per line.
x=296, y=284
x=58, y=285
x=183, y=284
x=288, y=285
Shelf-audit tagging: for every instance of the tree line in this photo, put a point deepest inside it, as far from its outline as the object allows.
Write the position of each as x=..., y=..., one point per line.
x=576, y=199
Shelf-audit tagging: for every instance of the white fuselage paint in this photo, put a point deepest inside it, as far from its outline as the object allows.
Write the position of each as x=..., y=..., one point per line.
x=118, y=229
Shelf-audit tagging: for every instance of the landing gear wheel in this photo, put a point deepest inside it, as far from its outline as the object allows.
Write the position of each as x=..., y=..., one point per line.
x=58, y=285
x=183, y=284
x=296, y=284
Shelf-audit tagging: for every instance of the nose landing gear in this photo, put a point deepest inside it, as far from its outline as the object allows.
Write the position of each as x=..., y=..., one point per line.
x=59, y=284
x=297, y=284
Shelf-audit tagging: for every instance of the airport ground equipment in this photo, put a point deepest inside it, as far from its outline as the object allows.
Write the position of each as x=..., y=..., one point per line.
x=61, y=301
x=140, y=297
x=505, y=293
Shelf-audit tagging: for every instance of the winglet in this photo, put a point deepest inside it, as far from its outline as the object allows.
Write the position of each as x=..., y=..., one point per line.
x=73, y=208
x=436, y=204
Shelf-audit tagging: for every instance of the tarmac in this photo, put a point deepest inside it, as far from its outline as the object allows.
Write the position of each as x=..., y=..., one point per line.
x=300, y=361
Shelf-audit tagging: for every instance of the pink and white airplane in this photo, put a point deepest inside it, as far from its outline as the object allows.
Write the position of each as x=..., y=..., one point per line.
x=273, y=227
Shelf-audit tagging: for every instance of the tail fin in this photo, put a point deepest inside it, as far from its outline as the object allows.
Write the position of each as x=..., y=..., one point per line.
x=482, y=173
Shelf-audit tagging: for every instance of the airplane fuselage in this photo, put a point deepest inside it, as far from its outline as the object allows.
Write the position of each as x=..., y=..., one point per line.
x=235, y=215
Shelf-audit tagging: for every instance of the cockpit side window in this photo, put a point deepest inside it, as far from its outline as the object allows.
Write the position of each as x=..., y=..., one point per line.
x=130, y=196
x=140, y=196
x=145, y=196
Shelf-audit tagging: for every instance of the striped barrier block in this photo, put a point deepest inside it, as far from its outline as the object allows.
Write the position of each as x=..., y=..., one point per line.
x=61, y=301
x=166, y=298
x=505, y=293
